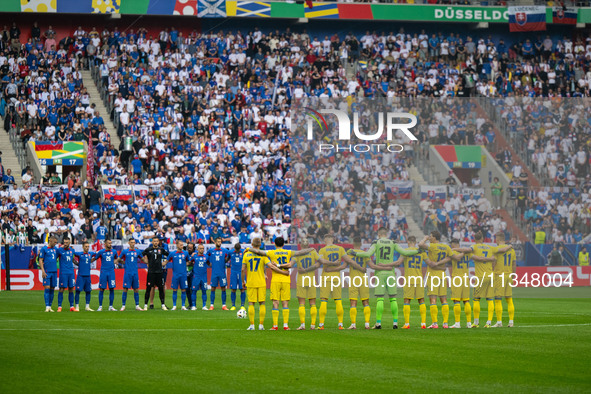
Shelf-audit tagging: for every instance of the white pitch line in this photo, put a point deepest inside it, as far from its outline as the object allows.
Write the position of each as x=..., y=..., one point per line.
x=122, y=329
x=554, y=325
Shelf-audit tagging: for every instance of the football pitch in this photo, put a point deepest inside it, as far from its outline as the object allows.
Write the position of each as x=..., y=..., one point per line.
x=199, y=351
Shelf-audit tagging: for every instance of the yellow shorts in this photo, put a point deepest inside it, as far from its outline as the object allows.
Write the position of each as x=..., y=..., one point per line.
x=256, y=294
x=307, y=292
x=503, y=286
x=485, y=290
x=326, y=292
x=359, y=292
x=414, y=292
x=437, y=286
x=462, y=292
x=280, y=291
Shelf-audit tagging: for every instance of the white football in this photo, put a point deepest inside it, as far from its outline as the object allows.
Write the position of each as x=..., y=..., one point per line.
x=241, y=314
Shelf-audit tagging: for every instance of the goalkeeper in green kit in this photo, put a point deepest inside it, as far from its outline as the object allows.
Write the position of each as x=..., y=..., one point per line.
x=383, y=249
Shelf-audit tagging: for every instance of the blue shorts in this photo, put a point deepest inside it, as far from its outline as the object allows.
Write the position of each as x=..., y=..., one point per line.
x=67, y=280
x=219, y=281
x=235, y=280
x=179, y=280
x=131, y=280
x=83, y=283
x=50, y=280
x=107, y=279
x=199, y=284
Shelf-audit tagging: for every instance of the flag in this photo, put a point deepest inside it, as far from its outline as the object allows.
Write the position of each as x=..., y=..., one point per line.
x=140, y=192
x=120, y=193
x=322, y=10
x=527, y=18
x=433, y=192
x=309, y=4
x=90, y=159
x=564, y=15
x=253, y=8
x=38, y=6
x=398, y=189
x=185, y=7
x=211, y=8
x=106, y=6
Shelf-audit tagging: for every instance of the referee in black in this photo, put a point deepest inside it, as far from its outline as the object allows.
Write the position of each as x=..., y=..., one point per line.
x=191, y=251
x=156, y=257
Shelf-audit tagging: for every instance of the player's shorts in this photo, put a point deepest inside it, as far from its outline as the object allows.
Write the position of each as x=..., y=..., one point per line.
x=414, y=288
x=326, y=289
x=107, y=279
x=485, y=289
x=436, y=285
x=67, y=280
x=83, y=283
x=219, y=281
x=503, y=286
x=306, y=290
x=131, y=280
x=179, y=280
x=386, y=284
x=361, y=291
x=236, y=280
x=280, y=291
x=199, y=284
x=50, y=279
x=256, y=294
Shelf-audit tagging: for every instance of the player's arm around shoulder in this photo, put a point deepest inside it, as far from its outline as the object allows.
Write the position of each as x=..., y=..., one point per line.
x=369, y=253
x=298, y=253
x=405, y=252
x=423, y=244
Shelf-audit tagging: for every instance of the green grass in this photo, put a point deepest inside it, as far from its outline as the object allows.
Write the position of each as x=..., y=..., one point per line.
x=157, y=351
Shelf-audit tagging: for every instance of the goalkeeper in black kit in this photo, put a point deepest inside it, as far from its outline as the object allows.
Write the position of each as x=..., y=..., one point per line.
x=155, y=256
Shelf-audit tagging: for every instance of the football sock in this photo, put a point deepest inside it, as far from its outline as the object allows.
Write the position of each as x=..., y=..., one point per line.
x=468, y=311
x=88, y=298
x=491, y=309
x=71, y=298
x=457, y=311
x=223, y=297
x=60, y=298
x=251, y=314
x=379, y=310
x=51, y=295
x=262, y=313
x=77, y=297
x=136, y=298
x=340, y=310
x=124, y=298
x=302, y=313
x=285, y=316
x=406, y=312
x=212, y=297
x=46, y=297
x=203, y=297
x=434, y=311
x=111, y=296
x=445, y=312
x=476, y=311
x=313, y=314
x=275, y=313
x=101, y=296
x=322, y=312
x=510, y=308
x=194, y=296
x=353, y=315
x=499, y=309
x=174, y=298
x=242, y=298
x=183, y=298
x=423, y=312
x=367, y=313
x=394, y=309
x=233, y=298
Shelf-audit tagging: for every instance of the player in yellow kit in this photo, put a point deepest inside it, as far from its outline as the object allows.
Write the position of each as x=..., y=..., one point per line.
x=255, y=282
x=358, y=287
x=436, y=282
x=306, y=290
x=333, y=254
x=414, y=286
x=280, y=281
x=460, y=285
x=506, y=262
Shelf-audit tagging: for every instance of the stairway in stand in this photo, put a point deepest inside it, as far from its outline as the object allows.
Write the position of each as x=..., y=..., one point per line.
x=95, y=97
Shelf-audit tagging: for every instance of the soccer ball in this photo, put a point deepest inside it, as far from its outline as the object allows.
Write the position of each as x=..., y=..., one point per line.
x=241, y=314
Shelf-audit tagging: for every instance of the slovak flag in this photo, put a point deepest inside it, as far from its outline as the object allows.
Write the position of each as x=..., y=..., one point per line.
x=564, y=15
x=527, y=18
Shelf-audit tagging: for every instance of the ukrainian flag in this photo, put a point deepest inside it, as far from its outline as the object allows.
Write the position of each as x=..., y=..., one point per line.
x=322, y=11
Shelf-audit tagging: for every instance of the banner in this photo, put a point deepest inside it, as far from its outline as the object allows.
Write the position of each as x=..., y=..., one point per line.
x=49, y=191
x=399, y=189
x=564, y=15
x=211, y=8
x=527, y=18
x=466, y=192
x=120, y=193
x=429, y=192
x=140, y=192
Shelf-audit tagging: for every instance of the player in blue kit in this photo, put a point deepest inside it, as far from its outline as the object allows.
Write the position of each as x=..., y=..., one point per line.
x=129, y=257
x=48, y=265
x=83, y=280
x=107, y=274
x=200, y=265
x=236, y=277
x=217, y=258
x=179, y=273
x=67, y=280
